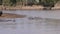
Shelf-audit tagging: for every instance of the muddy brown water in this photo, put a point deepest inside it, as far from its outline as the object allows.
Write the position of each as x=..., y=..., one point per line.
x=36, y=22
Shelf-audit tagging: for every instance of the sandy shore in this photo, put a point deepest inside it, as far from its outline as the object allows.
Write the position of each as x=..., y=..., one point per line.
x=7, y=15
x=21, y=8
x=25, y=8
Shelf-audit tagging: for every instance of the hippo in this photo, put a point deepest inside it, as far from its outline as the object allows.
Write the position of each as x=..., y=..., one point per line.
x=1, y=13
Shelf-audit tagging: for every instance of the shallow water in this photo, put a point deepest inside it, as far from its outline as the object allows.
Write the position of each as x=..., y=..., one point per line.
x=36, y=22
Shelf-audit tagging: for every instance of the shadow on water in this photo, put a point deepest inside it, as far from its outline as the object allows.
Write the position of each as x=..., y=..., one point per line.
x=2, y=20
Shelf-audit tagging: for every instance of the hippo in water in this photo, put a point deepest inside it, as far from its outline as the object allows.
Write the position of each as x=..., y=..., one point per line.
x=1, y=13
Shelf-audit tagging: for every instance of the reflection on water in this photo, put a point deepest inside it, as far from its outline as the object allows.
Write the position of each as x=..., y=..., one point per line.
x=8, y=25
x=2, y=20
x=33, y=26
x=34, y=23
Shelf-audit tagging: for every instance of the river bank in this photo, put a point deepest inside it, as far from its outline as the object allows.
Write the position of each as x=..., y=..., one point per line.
x=8, y=15
x=22, y=8
x=25, y=8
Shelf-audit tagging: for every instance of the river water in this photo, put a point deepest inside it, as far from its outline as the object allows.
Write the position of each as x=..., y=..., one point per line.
x=35, y=22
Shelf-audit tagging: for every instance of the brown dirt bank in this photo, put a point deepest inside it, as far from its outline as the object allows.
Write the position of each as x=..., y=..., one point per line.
x=7, y=15
x=34, y=7
x=21, y=8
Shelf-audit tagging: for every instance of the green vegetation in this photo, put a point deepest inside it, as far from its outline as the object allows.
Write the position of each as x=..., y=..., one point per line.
x=45, y=3
x=48, y=3
x=12, y=2
x=9, y=2
x=0, y=2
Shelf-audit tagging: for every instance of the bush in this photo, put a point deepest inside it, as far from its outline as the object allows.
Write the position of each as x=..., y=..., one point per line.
x=0, y=2
x=47, y=3
x=13, y=2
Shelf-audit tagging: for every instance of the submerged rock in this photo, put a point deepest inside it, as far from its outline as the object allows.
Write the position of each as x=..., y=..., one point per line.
x=35, y=18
